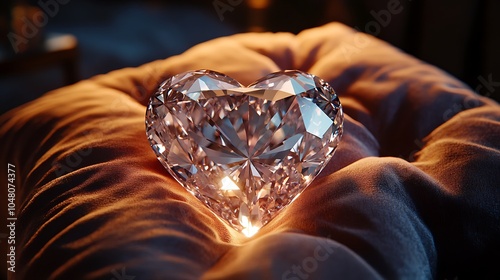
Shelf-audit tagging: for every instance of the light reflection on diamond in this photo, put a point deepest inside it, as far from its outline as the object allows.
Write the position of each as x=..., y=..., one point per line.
x=228, y=185
x=245, y=152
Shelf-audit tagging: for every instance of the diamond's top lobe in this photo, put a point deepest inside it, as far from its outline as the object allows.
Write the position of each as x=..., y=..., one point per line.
x=246, y=152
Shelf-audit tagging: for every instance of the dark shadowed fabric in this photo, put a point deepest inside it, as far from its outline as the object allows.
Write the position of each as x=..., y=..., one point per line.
x=412, y=192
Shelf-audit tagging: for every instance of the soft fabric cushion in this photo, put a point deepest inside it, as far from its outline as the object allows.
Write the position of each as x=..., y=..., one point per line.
x=411, y=193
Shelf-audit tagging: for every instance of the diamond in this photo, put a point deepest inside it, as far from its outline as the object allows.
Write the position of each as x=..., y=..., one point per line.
x=245, y=152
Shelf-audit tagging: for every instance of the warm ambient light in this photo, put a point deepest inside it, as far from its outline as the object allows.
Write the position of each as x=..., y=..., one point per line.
x=258, y=4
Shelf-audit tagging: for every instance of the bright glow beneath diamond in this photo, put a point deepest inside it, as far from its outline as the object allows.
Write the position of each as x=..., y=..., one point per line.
x=249, y=230
x=244, y=152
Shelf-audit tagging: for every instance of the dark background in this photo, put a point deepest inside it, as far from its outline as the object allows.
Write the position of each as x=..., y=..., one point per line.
x=461, y=37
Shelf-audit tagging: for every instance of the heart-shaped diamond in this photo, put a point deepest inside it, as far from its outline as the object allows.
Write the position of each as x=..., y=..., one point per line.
x=246, y=152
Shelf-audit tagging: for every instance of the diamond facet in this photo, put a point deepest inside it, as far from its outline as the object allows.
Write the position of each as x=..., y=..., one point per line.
x=246, y=152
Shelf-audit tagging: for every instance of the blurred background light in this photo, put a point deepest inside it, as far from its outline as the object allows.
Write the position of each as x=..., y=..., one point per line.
x=46, y=44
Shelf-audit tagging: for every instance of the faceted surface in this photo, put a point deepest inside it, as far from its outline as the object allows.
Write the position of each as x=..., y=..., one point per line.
x=246, y=152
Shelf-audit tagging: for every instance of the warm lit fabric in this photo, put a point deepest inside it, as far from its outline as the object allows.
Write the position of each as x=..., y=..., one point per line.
x=412, y=192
